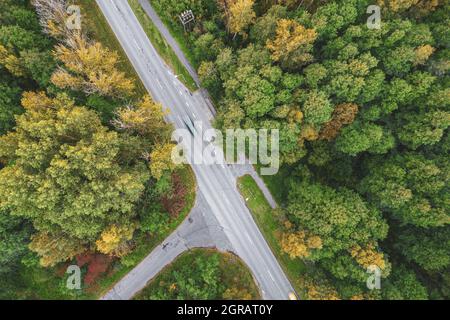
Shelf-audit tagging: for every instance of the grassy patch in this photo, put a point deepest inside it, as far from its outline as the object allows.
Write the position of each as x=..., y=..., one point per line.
x=277, y=184
x=188, y=177
x=232, y=272
x=163, y=48
x=98, y=28
x=269, y=224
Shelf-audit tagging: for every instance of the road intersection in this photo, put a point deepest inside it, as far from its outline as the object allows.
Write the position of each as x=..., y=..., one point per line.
x=222, y=202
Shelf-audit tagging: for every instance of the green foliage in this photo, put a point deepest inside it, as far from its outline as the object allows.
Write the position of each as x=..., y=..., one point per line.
x=428, y=248
x=403, y=285
x=65, y=163
x=339, y=217
x=390, y=155
x=201, y=275
x=317, y=108
x=14, y=235
x=410, y=186
x=9, y=105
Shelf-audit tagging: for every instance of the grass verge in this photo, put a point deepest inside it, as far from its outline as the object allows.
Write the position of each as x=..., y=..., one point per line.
x=161, y=46
x=269, y=224
x=277, y=183
x=233, y=273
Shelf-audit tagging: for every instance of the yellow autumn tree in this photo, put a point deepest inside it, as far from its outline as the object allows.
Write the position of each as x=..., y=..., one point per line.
x=53, y=249
x=11, y=62
x=91, y=68
x=115, y=240
x=369, y=256
x=240, y=16
x=292, y=44
x=318, y=289
x=145, y=119
x=299, y=244
x=309, y=133
x=161, y=160
x=422, y=54
x=295, y=116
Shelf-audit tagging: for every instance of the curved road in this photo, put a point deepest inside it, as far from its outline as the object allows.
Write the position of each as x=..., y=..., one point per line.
x=217, y=183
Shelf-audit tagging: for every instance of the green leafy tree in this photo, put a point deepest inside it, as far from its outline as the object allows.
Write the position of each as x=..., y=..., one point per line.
x=403, y=285
x=413, y=188
x=339, y=217
x=66, y=173
x=429, y=248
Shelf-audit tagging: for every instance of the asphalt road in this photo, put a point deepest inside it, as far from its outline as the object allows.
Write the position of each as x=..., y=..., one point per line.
x=199, y=230
x=216, y=183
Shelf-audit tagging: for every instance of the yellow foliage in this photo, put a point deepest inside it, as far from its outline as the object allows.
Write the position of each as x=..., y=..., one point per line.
x=8, y=146
x=146, y=119
x=318, y=290
x=309, y=133
x=299, y=244
x=290, y=37
x=422, y=54
x=397, y=5
x=54, y=29
x=114, y=240
x=295, y=115
x=11, y=62
x=62, y=79
x=161, y=160
x=288, y=225
x=54, y=249
x=90, y=67
x=422, y=6
x=343, y=114
x=241, y=15
x=173, y=287
x=368, y=256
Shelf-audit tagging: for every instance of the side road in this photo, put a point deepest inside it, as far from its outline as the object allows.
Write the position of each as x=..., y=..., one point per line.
x=238, y=170
x=199, y=230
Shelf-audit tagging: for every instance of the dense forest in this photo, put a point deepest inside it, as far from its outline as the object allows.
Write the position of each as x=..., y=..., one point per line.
x=363, y=116
x=85, y=167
